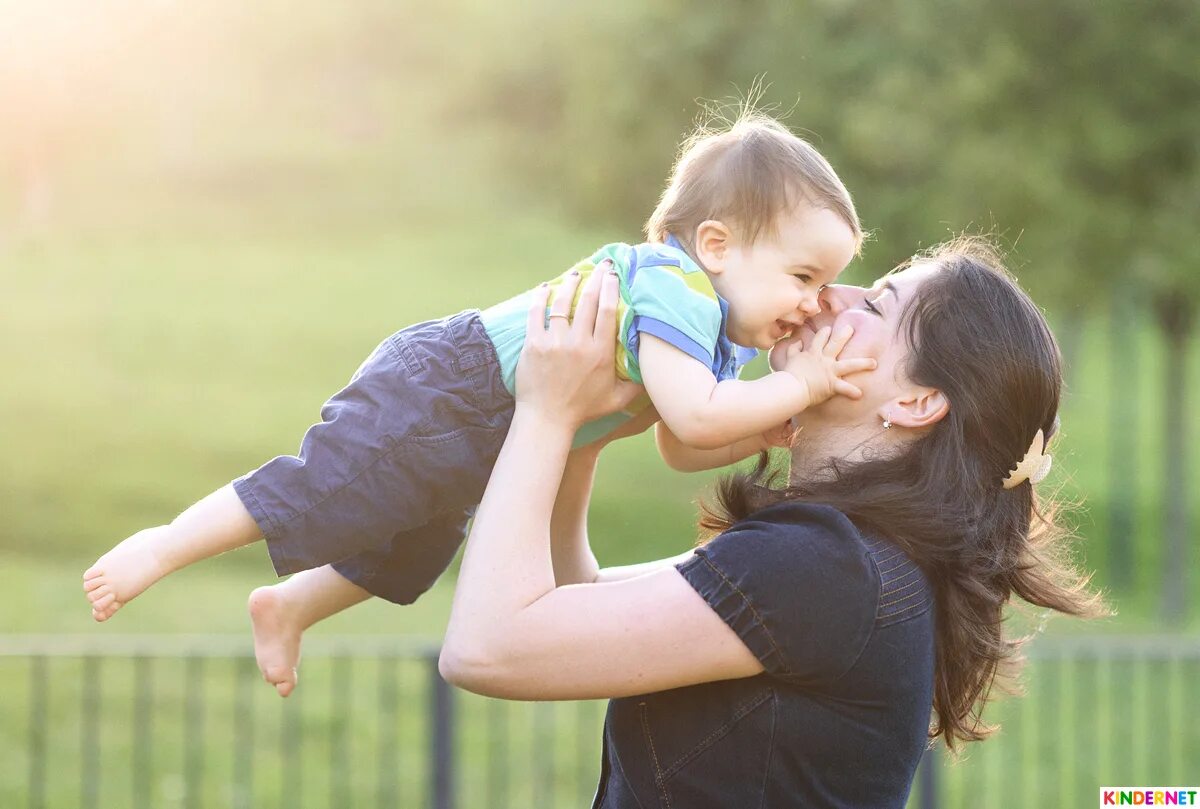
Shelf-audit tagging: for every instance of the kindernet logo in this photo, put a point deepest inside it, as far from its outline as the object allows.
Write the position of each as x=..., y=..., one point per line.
x=1149, y=796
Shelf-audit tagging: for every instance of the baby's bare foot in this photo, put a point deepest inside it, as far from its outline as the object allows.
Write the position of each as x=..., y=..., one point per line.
x=123, y=573
x=276, y=638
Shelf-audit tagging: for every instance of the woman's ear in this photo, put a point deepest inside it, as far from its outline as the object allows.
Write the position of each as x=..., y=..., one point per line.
x=713, y=240
x=923, y=407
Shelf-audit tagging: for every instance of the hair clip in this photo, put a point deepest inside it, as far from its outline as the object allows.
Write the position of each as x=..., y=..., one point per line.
x=1033, y=467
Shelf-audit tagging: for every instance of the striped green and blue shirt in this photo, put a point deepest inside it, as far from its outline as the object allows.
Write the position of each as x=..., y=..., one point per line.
x=663, y=293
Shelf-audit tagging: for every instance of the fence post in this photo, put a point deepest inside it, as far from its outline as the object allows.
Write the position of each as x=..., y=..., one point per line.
x=90, y=733
x=1122, y=443
x=442, y=721
x=38, y=685
x=927, y=778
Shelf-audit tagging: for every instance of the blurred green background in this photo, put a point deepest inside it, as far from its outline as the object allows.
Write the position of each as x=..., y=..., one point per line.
x=210, y=213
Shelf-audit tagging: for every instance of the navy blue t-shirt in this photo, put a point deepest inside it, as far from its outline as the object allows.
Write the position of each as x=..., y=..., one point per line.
x=843, y=625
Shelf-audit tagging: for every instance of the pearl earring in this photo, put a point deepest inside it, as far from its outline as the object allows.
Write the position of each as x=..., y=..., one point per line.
x=887, y=423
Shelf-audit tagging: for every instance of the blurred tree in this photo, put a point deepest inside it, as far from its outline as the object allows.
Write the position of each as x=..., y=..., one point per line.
x=1070, y=125
x=1093, y=110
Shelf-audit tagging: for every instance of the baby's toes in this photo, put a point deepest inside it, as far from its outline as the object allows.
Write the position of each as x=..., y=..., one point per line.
x=101, y=596
x=283, y=678
x=104, y=602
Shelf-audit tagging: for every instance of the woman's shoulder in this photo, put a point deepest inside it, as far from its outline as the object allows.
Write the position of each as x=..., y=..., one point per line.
x=799, y=584
x=793, y=512
x=902, y=589
x=794, y=540
x=809, y=530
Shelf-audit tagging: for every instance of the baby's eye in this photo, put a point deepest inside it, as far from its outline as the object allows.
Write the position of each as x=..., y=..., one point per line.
x=805, y=277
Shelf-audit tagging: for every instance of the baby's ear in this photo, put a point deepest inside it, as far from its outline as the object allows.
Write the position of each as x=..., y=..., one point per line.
x=922, y=407
x=713, y=240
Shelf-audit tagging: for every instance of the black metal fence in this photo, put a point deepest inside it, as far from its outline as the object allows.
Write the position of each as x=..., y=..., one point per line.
x=186, y=721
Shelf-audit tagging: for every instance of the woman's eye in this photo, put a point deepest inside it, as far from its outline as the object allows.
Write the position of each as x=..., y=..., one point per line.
x=872, y=307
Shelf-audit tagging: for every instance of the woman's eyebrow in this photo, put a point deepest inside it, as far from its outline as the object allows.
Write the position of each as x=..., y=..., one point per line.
x=881, y=286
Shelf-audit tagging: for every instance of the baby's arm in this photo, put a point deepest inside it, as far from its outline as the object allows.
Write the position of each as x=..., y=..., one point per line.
x=683, y=458
x=710, y=415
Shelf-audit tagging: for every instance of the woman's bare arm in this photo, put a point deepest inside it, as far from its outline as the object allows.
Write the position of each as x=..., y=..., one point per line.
x=622, y=572
x=514, y=634
x=570, y=548
x=573, y=560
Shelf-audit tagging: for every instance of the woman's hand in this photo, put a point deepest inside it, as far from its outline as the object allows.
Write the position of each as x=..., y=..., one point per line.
x=567, y=370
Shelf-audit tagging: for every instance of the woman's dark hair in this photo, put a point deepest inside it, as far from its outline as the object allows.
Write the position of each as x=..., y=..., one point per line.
x=976, y=336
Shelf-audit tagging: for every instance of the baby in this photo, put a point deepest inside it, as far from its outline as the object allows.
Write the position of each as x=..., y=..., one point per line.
x=753, y=223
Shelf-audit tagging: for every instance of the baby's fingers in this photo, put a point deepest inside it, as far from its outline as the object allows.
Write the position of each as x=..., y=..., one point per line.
x=846, y=389
x=838, y=341
x=843, y=367
x=820, y=339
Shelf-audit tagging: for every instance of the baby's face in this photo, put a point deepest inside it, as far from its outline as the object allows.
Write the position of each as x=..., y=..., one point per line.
x=772, y=285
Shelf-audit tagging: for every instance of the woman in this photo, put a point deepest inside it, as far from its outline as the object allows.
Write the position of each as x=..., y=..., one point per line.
x=795, y=658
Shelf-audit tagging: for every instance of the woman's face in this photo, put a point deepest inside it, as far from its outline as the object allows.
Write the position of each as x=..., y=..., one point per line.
x=874, y=313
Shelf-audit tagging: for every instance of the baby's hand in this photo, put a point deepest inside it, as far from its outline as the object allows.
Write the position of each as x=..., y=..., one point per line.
x=778, y=355
x=819, y=368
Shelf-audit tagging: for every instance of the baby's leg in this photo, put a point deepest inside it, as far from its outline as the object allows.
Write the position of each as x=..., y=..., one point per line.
x=216, y=524
x=408, y=567
x=280, y=614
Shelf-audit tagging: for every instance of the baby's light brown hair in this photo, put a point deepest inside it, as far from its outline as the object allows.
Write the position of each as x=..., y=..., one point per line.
x=746, y=172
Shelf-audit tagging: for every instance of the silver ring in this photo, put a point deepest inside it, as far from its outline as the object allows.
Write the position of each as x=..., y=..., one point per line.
x=566, y=317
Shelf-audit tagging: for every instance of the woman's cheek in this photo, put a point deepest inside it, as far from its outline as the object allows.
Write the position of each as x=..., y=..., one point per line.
x=867, y=341
x=858, y=347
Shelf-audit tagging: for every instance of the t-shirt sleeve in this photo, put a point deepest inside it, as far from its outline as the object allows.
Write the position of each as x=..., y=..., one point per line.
x=797, y=585
x=676, y=306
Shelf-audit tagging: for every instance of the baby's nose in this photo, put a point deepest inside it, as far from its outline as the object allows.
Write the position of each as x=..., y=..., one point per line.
x=810, y=305
x=833, y=298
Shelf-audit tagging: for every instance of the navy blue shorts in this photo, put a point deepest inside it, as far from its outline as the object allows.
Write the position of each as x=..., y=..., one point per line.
x=385, y=483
